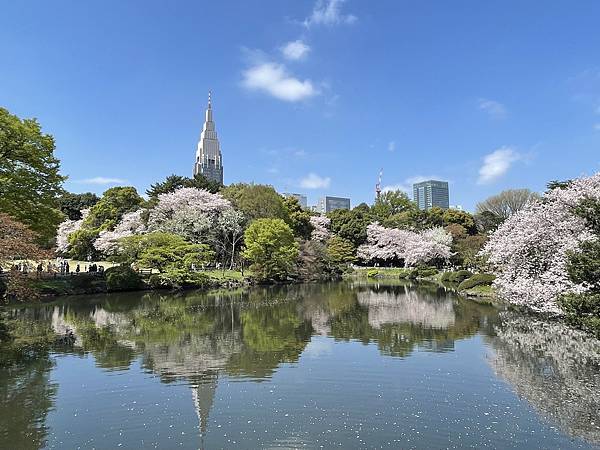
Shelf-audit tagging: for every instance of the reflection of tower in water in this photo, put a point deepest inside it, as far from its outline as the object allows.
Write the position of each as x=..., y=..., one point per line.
x=203, y=394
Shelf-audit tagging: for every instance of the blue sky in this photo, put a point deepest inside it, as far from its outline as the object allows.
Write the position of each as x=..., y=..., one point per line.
x=312, y=96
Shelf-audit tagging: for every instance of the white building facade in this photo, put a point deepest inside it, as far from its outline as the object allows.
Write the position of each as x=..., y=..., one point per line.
x=209, y=161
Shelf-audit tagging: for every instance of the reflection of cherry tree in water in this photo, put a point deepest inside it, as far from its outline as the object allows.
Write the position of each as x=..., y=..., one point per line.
x=555, y=368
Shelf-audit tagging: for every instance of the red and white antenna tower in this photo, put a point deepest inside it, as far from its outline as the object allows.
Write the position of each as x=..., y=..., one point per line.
x=378, y=185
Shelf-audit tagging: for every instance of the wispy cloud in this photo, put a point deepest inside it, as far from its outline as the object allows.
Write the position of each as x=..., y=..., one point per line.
x=392, y=146
x=495, y=109
x=102, y=181
x=597, y=126
x=314, y=181
x=496, y=164
x=295, y=50
x=273, y=79
x=328, y=12
x=407, y=185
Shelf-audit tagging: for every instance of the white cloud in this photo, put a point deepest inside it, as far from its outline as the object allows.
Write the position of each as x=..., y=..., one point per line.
x=103, y=180
x=274, y=80
x=328, y=12
x=314, y=181
x=295, y=50
x=495, y=109
x=392, y=146
x=407, y=184
x=497, y=164
x=300, y=153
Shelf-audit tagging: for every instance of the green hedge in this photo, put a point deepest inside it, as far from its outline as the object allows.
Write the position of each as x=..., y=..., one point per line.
x=582, y=310
x=179, y=279
x=456, y=277
x=479, y=279
x=122, y=278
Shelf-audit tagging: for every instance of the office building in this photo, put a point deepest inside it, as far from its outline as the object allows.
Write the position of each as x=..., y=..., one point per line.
x=301, y=198
x=430, y=193
x=209, y=161
x=328, y=204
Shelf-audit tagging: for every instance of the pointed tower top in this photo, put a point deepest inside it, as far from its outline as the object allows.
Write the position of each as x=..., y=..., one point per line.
x=209, y=94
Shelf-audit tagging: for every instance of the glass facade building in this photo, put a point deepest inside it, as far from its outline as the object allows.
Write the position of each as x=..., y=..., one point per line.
x=428, y=194
x=328, y=204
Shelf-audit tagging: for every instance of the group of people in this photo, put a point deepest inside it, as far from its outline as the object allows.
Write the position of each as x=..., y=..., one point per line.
x=61, y=266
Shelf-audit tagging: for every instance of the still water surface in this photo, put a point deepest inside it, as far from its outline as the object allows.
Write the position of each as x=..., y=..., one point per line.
x=346, y=365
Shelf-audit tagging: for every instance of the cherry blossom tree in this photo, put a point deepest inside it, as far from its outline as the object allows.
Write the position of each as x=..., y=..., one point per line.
x=65, y=229
x=320, y=228
x=132, y=223
x=412, y=248
x=188, y=212
x=529, y=251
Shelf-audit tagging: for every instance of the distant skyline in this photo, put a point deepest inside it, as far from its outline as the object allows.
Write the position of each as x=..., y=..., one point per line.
x=313, y=97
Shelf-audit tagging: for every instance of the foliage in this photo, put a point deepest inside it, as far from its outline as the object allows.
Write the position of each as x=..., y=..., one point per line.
x=18, y=241
x=179, y=278
x=456, y=277
x=506, y=203
x=479, y=279
x=256, y=201
x=115, y=202
x=81, y=244
x=458, y=217
x=163, y=251
x=529, y=252
x=71, y=205
x=392, y=245
x=487, y=221
x=271, y=248
x=351, y=225
x=390, y=203
x=466, y=250
x=122, y=278
x=583, y=308
x=175, y=182
x=228, y=234
x=312, y=261
x=320, y=228
x=65, y=229
x=340, y=253
x=297, y=218
x=30, y=181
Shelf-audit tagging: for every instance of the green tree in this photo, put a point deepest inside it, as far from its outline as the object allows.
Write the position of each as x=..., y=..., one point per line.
x=174, y=182
x=340, y=253
x=71, y=204
x=115, y=202
x=271, y=248
x=351, y=225
x=30, y=181
x=390, y=203
x=256, y=201
x=458, y=217
x=487, y=221
x=297, y=218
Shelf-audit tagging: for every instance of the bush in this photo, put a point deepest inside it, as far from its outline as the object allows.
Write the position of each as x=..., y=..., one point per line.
x=179, y=279
x=582, y=310
x=3, y=288
x=479, y=279
x=122, y=278
x=425, y=271
x=372, y=273
x=456, y=277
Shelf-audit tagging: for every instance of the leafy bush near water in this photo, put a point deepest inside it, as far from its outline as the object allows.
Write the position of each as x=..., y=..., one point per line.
x=479, y=279
x=122, y=278
x=456, y=277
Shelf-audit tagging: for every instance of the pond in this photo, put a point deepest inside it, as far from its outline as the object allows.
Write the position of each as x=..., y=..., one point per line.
x=348, y=365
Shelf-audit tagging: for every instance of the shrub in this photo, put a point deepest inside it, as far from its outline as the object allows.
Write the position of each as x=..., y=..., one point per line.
x=179, y=279
x=582, y=310
x=3, y=288
x=479, y=279
x=372, y=273
x=456, y=277
x=122, y=278
x=425, y=271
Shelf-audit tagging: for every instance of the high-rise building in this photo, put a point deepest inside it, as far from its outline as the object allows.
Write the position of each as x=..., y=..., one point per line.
x=301, y=198
x=328, y=204
x=209, y=161
x=430, y=193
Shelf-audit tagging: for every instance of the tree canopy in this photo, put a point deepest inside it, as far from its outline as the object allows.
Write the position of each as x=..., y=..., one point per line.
x=506, y=203
x=30, y=180
x=175, y=182
x=256, y=201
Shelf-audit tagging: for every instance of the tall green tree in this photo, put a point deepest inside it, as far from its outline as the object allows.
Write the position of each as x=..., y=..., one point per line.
x=30, y=180
x=71, y=204
x=390, y=203
x=115, y=202
x=351, y=225
x=256, y=201
x=174, y=182
x=297, y=218
x=271, y=248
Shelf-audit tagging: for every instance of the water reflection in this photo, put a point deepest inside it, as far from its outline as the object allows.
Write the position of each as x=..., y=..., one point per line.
x=201, y=338
x=556, y=369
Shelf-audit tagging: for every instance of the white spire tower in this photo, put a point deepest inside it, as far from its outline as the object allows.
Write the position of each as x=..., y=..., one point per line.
x=209, y=161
